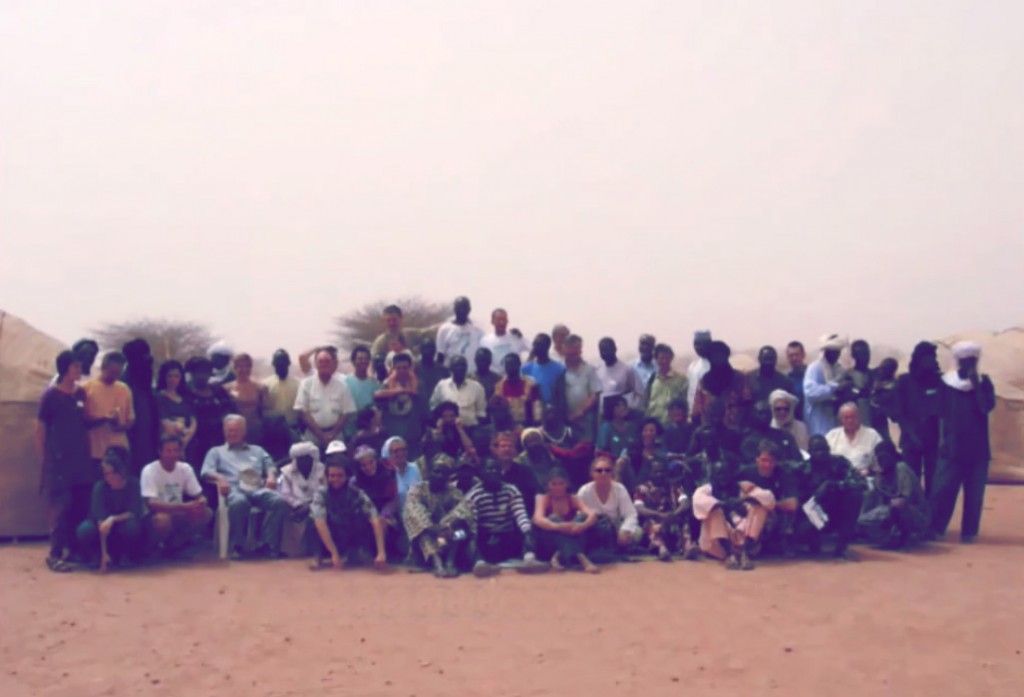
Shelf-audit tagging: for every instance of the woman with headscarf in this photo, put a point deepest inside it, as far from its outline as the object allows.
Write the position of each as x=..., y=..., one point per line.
x=917, y=404
x=784, y=417
x=721, y=383
x=113, y=530
x=407, y=474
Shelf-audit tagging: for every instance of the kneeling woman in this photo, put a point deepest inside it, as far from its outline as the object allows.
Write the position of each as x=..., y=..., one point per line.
x=346, y=521
x=562, y=521
x=114, y=526
x=731, y=520
x=617, y=527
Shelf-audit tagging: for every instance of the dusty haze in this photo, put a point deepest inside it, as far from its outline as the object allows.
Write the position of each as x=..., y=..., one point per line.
x=769, y=171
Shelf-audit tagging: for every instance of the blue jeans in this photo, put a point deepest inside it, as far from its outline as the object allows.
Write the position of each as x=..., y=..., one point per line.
x=275, y=511
x=124, y=541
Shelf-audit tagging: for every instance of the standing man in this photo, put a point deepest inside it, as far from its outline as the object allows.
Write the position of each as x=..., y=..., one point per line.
x=459, y=336
x=245, y=475
x=918, y=405
x=428, y=371
x=616, y=377
x=766, y=379
x=468, y=394
x=964, y=451
x=324, y=401
x=402, y=405
x=483, y=372
x=220, y=355
x=700, y=364
x=502, y=342
x=582, y=390
x=822, y=383
x=795, y=356
x=282, y=389
x=361, y=385
x=860, y=378
x=665, y=387
x=109, y=413
x=174, y=497
x=645, y=367
x=548, y=373
x=559, y=333
x=394, y=329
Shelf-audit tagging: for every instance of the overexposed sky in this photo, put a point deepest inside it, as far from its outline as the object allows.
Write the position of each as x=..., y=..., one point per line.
x=769, y=170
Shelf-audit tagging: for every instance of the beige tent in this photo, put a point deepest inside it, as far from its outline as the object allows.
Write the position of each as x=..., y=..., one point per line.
x=1002, y=358
x=26, y=365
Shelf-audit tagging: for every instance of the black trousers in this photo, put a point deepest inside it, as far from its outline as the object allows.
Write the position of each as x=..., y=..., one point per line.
x=923, y=460
x=350, y=539
x=496, y=547
x=842, y=509
x=951, y=476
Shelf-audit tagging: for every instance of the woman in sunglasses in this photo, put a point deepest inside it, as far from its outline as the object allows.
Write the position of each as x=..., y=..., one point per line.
x=617, y=527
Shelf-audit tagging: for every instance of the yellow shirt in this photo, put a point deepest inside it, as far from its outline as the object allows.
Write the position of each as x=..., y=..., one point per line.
x=103, y=401
x=282, y=397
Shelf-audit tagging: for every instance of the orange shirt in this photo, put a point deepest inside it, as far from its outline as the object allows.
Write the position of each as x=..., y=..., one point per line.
x=101, y=401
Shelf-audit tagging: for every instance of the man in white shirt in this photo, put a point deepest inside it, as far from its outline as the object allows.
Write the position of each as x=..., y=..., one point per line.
x=700, y=364
x=468, y=394
x=459, y=336
x=501, y=342
x=582, y=389
x=616, y=377
x=178, y=510
x=324, y=401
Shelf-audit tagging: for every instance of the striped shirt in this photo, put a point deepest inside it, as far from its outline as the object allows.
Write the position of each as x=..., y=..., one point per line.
x=499, y=511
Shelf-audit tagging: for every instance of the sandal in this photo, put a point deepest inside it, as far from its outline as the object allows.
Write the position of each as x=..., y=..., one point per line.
x=58, y=565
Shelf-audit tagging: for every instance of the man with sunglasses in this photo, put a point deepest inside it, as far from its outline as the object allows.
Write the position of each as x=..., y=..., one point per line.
x=760, y=429
x=784, y=409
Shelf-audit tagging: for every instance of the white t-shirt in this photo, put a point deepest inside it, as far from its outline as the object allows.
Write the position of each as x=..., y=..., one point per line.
x=619, y=507
x=501, y=346
x=169, y=487
x=325, y=402
x=458, y=340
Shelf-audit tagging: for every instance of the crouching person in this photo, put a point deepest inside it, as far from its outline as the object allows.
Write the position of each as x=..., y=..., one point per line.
x=503, y=529
x=837, y=491
x=177, y=508
x=113, y=530
x=770, y=476
x=246, y=477
x=562, y=522
x=731, y=520
x=896, y=514
x=299, y=482
x=346, y=522
x=439, y=521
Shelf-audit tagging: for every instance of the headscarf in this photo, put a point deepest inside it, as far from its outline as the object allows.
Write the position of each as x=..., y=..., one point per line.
x=777, y=395
x=385, y=452
x=833, y=342
x=966, y=349
x=302, y=449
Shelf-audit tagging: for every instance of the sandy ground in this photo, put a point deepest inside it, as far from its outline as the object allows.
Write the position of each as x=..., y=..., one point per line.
x=946, y=620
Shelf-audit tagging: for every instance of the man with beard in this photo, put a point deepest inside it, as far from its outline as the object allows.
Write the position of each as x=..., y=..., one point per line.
x=439, y=521
x=837, y=489
x=784, y=406
x=760, y=429
x=346, y=522
x=917, y=407
x=503, y=529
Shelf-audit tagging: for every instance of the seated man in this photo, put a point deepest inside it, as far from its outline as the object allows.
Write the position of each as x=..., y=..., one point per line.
x=896, y=513
x=731, y=520
x=503, y=530
x=853, y=440
x=346, y=521
x=784, y=407
x=677, y=431
x=837, y=490
x=439, y=521
x=769, y=474
x=662, y=505
x=299, y=482
x=246, y=477
x=503, y=450
x=177, y=507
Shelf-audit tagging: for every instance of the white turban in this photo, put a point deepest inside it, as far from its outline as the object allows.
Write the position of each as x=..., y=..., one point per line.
x=220, y=348
x=335, y=446
x=302, y=448
x=776, y=395
x=833, y=342
x=966, y=349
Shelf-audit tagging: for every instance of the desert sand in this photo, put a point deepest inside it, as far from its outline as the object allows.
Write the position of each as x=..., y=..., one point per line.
x=945, y=620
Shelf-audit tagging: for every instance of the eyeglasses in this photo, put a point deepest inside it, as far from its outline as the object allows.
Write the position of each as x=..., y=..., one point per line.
x=781, y=410
x=602, y=470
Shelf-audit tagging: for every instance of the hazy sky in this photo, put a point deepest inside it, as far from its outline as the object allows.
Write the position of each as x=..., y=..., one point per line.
x=768, y=170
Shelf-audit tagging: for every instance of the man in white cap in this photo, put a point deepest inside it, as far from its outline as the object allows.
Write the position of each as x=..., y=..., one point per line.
x=700, y=364
x=822, y=382
x=964, y=450
x=220, y=354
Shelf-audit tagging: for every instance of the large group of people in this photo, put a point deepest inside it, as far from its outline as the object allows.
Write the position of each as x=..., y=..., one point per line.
x=456, y=449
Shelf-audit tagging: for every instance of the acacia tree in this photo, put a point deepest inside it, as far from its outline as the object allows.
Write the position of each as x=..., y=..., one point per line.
x=167, y=339
x=363, y=324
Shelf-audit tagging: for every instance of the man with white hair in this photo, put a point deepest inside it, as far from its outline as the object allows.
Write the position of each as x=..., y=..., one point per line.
x=246, y=477
x=822, y=382
x=784, y=418
x=964, y=451
x=853, y=440
x=324, y=400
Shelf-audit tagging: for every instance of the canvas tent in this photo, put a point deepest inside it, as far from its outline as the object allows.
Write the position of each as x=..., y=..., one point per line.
x=1002, y=358
x=26, y=366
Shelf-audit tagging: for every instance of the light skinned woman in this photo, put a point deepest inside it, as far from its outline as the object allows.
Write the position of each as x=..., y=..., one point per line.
x=562, y=521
